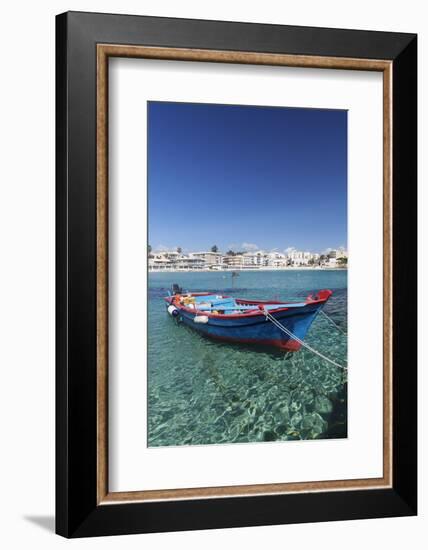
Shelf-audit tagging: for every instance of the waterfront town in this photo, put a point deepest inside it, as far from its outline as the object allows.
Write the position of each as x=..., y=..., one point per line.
x=214, y=260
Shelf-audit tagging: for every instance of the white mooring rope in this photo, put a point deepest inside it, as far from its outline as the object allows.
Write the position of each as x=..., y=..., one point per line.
x=301, y=342
x=331, y=321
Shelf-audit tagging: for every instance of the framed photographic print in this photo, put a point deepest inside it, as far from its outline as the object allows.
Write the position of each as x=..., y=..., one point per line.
x=236, y=244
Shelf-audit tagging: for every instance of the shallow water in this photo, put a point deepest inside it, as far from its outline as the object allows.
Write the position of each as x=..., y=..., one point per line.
x=204, y=392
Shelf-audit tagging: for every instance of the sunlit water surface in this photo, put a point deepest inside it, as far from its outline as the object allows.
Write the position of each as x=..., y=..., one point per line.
x=204, y=392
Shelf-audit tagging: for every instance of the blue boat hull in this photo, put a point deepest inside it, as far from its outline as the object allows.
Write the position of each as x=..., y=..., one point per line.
x=256, y=329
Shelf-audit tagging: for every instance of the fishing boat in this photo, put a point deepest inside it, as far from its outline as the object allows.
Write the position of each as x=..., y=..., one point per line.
x=283, y=325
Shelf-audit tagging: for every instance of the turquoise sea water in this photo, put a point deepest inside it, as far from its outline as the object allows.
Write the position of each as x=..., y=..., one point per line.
x=204, y=392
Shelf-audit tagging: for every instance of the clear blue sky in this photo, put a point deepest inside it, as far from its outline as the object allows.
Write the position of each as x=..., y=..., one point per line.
x=272, y=177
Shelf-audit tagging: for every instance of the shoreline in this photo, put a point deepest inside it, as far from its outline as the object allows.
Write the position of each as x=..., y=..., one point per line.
x=230, y=271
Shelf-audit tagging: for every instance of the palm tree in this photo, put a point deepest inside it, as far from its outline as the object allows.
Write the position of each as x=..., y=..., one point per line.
x=179, y=249
x=214, y=248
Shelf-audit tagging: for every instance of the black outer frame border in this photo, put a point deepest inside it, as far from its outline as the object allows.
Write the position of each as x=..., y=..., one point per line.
x=77, y=513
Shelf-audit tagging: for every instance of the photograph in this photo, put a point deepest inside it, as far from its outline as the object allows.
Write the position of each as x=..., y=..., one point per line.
x=247, y=269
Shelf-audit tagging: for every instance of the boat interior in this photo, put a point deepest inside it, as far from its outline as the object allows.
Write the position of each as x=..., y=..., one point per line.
x=215, y=303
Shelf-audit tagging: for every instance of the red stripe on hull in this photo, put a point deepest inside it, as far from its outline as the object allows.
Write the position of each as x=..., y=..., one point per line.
x=289, y=345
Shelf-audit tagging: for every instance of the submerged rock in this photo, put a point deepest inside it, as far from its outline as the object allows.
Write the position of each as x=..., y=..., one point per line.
x=295, y=406
x=269, y=435
x=323, y=405
x=296, y=419
x=281, y=429
x=281, y=415
x=313, y=425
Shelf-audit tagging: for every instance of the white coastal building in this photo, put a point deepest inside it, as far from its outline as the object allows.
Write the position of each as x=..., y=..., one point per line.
x=173, y=261
x=298, y=258
x=235, y=261
x=336, y=257
x=275, y=259
x=199, y=261
x=209, y=258
x=253, y=260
